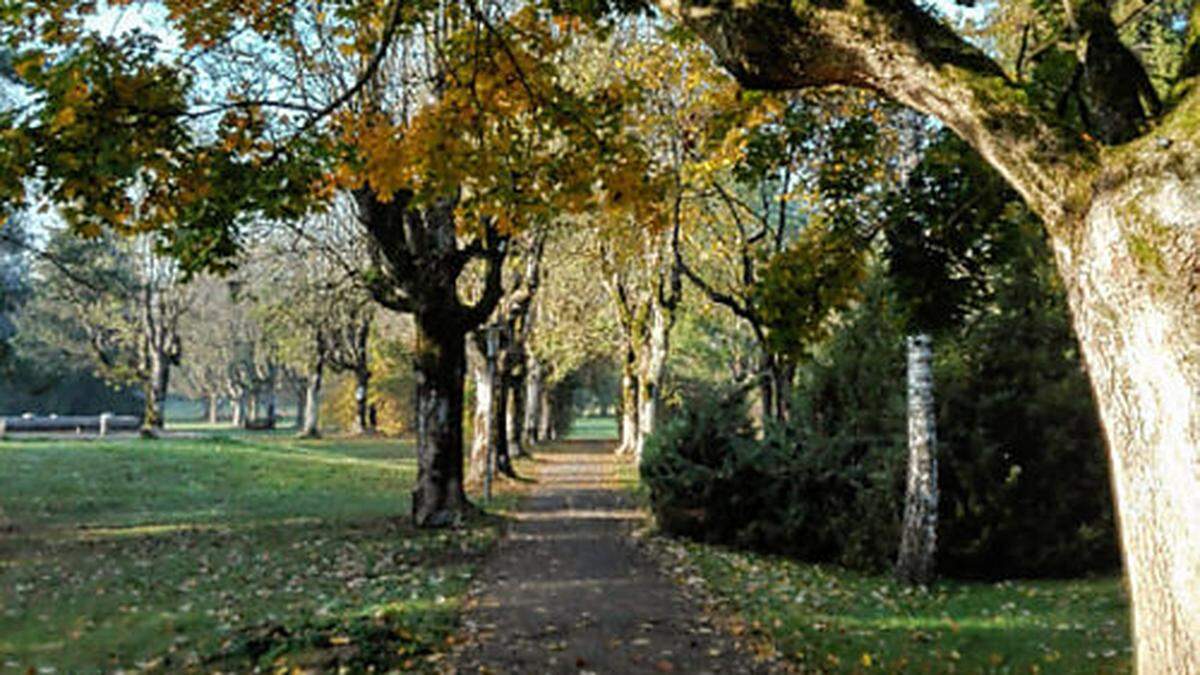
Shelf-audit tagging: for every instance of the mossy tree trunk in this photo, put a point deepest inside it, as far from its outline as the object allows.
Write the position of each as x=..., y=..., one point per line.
x=1124, y=224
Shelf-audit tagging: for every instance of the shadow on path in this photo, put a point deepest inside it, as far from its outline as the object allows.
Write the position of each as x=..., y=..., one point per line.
x=568, y=592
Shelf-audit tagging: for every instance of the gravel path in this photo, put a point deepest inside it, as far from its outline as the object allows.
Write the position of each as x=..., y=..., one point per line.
x=567, y=590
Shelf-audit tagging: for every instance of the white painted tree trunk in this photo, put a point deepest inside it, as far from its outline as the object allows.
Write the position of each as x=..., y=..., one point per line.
x=918, y=537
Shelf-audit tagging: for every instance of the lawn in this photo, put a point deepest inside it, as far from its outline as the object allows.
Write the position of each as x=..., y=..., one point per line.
x=594, y=429
x=827, y=619
x=227, y=552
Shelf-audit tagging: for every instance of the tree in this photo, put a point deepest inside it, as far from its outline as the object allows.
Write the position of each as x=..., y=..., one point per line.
x=946, y=226
x=116, y=303
x=500, y=363
x=1122, y=226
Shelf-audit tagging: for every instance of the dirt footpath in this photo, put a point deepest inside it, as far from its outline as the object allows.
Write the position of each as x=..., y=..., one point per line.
x=567, y=591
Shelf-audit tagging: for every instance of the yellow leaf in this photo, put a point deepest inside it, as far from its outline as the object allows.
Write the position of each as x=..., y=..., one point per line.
x=865, y=660
x=65, y=118
x=339, y=640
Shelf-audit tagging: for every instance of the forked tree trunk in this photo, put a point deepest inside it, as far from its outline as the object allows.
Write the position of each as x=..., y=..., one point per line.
x=533, y=401
x=312, y=401
x=918, y=536
x=439, y=363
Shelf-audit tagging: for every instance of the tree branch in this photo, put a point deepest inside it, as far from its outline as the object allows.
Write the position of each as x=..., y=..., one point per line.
x=896, y=48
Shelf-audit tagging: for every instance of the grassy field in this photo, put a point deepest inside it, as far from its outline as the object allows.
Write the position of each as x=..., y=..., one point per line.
x=227, y=552
x=593, y=429
x=827, y=619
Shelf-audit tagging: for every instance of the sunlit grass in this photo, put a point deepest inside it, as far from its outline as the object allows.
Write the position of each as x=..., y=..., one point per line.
x=593, y=429
x=221, y=553
x=831, y=620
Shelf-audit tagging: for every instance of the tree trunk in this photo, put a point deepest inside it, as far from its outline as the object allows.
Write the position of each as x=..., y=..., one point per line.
x=1133, y=283
x=533, y=401
x=272, y=405
x=498, y=426
x=1124, y=225
x=271, y=399
x=650, y=377
x=782, y=374
x=238, y=404
x=439, y=363
x=362, y=386
x=252, y=408
x=312, y=401
x=481, y=421
x=156, y=394
x=546, y=421
x=766, y=391
x=301, y=404
x=918, y=537
x=629, y=430
x=516, y=416
x=214, y=409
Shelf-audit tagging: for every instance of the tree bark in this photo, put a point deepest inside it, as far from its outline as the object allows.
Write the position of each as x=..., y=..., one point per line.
x=650, y=376
x=498, y=427
x=546, y=420
x=237, y=402
x=630, y=429
x=485, y=393
x=301, y=405
x=312, y=401
x=362, y=387
x=272, y=405
x=533, y=401
x=156, y=393
x=1124, y=224
x=439, y=363
x=214, y=408
x=517, y=440
x=918, y=536
x=417, y=262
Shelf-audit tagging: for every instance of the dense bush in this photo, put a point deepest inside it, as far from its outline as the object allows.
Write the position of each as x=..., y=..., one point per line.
x=1024, y=487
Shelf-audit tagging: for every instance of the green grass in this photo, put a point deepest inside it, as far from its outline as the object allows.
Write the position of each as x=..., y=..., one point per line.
x=593, y=429
x=221, y=553
x=827, y=619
